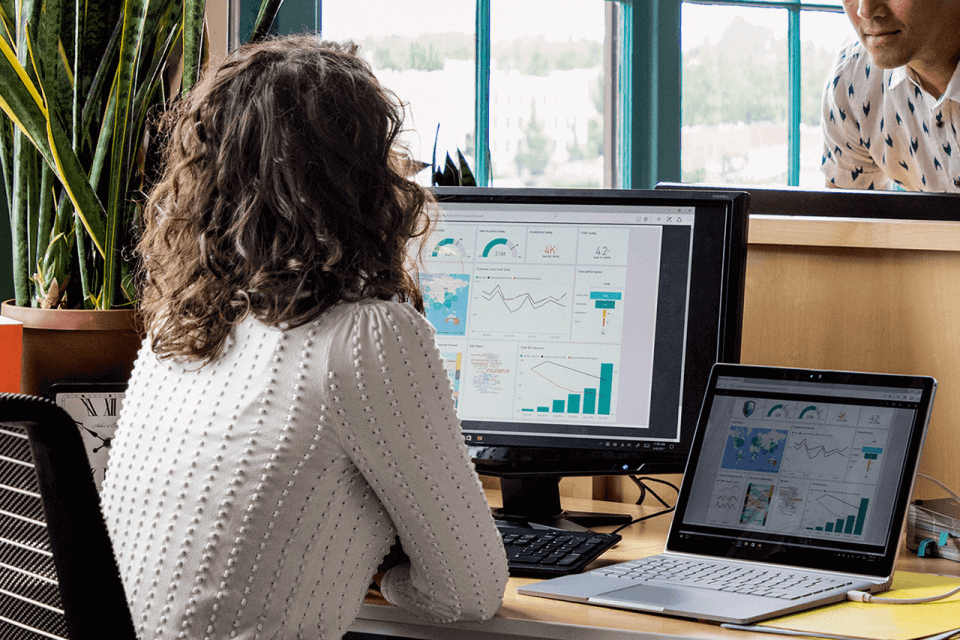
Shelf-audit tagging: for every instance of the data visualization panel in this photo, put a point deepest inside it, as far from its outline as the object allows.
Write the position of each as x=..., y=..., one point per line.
x=546, y=321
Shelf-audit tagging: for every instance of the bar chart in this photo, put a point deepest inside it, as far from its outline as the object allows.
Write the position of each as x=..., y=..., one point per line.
x=841, y=515
x=579, y=390
x=453, y=365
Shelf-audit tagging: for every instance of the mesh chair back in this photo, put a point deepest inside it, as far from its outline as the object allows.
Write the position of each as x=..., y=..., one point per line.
x=58, y=575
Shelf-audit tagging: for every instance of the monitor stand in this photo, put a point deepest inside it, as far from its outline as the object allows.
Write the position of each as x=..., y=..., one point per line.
x=536, y=499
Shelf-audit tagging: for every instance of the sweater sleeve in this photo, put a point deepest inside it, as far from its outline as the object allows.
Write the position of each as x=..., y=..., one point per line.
x=396, y=420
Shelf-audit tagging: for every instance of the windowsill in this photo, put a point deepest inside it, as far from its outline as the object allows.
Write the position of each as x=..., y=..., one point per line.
x=855, y=233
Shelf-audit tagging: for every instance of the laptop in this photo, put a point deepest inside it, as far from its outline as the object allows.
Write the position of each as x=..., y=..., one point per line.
x=795, y=493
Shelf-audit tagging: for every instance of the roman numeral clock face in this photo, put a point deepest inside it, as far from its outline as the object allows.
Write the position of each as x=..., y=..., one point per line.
x=95, y=408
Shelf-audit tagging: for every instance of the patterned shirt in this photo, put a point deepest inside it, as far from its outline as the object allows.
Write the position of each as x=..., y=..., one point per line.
x=256, y=496
x=880, y=126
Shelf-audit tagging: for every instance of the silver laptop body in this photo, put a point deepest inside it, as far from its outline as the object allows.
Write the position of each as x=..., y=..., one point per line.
x=795, y=493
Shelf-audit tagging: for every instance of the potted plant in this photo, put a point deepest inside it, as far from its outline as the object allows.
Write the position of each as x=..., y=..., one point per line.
x=451, y=173
x=79, y=84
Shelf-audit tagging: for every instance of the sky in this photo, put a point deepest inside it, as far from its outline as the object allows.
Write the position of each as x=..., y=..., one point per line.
x=566, y=19
x=701, y=22
x=509, y=20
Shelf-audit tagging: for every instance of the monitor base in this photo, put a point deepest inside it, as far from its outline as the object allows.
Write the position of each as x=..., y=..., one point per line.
x=536, y=499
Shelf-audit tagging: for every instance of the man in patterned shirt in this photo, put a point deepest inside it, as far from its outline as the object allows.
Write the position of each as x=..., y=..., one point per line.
x=891, y=108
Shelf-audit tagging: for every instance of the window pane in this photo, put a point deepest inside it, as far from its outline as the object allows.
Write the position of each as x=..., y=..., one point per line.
x=424, y=52
x=735, y=94
x=546, y=93
x=822, y=34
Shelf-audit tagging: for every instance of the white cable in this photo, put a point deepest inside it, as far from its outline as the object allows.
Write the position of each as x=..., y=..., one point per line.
x=941, y=485
x=863, y=596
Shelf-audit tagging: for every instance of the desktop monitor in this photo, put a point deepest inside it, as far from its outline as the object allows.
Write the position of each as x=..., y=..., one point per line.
x=578, y=327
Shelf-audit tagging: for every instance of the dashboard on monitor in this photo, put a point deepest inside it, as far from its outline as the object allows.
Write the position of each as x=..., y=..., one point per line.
x=578, y=327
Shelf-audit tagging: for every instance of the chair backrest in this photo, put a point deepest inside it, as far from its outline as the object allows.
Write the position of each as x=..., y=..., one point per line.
x=58, y=574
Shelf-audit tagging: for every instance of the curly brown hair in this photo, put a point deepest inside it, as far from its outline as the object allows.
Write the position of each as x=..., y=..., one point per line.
x=284, y=191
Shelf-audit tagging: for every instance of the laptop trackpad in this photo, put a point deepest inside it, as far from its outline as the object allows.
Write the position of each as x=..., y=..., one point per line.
x=649, y=597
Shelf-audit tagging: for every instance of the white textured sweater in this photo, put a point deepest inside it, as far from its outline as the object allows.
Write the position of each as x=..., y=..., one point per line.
x=255, y=497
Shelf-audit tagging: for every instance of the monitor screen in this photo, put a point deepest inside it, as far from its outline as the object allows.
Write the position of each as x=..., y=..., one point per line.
x=578, y=327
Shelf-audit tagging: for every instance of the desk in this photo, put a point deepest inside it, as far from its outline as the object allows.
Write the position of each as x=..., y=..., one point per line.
x=529, y=617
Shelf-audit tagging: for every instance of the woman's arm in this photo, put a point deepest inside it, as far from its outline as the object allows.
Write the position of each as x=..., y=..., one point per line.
x=396, y=420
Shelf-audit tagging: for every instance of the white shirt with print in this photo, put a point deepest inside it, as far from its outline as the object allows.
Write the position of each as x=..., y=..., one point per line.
x=880, y=127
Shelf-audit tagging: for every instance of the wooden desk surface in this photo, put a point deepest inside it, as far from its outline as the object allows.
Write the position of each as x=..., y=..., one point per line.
x=530, y=617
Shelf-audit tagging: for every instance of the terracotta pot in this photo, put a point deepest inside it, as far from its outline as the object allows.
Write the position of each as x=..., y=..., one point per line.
x=66, y=345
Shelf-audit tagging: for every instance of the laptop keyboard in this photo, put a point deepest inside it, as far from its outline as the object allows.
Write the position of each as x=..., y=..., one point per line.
x=771, y=583
x=551, y=552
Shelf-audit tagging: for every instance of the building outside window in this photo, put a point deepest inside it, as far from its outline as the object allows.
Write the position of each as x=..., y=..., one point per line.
x=741, y=99
x=545, y=67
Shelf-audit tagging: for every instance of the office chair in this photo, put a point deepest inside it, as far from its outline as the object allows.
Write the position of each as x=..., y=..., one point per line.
x=58, y=575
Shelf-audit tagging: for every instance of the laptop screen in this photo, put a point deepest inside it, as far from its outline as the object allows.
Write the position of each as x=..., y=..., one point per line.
x=803, y=468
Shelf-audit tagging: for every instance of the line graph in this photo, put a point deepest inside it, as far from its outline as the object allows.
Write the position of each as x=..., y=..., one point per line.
x=813, y=452
x=543, y=370
x=513, y=306
x=532, y=302
x=819, y=450
x=726, y=502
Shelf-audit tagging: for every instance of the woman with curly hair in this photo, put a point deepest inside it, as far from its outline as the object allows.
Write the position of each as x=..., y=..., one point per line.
x=289, y=416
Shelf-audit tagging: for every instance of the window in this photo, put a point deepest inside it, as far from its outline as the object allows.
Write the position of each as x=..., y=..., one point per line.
x=426, y=52
x=429, y=68
x=699, y=90
x=752, y=79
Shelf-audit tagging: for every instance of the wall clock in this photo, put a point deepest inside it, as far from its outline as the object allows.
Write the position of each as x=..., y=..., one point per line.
x=95, y=408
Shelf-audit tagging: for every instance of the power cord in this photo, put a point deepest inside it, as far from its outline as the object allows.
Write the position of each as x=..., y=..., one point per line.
x=641, y=482
x=863, y=596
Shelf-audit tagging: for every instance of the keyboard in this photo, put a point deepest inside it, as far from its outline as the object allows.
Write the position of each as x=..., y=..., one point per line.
x=551, y=552
x=771, y=583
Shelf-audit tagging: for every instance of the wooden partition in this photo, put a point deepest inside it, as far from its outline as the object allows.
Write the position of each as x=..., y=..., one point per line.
x=868, y=295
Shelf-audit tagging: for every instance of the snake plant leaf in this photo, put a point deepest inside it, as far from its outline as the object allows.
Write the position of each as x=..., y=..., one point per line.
x=265, y=19
x=6, y=156
x=74, y=179
x=466, y=175
x=21, y=101
x=22, y=213
x=45, y=211
x=192, y=43
x=101, y=49
x=25, y=105
x=131, y=40
x=8, y=10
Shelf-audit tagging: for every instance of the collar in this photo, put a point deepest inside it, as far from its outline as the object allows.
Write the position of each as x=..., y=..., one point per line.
x=953, y=87
x=894, y=77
